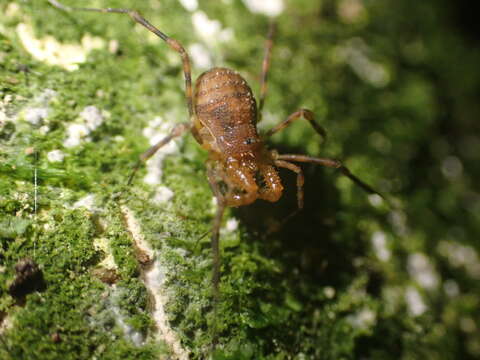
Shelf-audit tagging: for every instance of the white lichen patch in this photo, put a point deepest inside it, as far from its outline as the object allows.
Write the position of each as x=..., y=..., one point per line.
x=3, y=117
x=106, y=309
x=76, y=133
x=228, y=232
x=156, y=130
x=190, y=5
x=93, y=117
x=38, y=109
x=90, y=118
x=154, y=279
x=162, y=195
x=200, y=56
x=35, y=115
x=45, y=96
x=329, y=292
x=6, y=324
x=364, y=319
x=5, y=106
x=130, y=333
x=87, y=202
x=422, y=271
x=459, y=255
x=415, y=304
x=375, y=200
x=55, y=156
x=44, y=129
x=379, y=243
x=103, y=244
x=231, y=225
x=355, y=53
x=267, y=7
x=52, y=52
x=210, y=31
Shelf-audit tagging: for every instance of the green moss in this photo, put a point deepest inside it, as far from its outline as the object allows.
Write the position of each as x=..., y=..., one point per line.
x=70, y=305
x=316, y=289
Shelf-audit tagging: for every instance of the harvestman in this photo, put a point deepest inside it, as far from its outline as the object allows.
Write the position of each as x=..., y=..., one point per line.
x=223, y=117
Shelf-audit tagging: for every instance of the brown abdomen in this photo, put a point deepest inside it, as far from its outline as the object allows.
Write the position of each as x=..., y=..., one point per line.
x=227, y=112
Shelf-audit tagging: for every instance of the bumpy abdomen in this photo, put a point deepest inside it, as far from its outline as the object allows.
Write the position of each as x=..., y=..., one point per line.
x=227, y=112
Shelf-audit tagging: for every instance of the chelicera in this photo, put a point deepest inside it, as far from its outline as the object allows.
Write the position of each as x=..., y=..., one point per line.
x=223, y=120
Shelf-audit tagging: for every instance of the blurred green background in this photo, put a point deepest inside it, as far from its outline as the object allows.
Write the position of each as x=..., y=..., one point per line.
x=395, y=83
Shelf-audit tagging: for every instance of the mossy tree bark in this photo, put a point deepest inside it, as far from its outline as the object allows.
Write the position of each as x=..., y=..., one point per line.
x=348, y=277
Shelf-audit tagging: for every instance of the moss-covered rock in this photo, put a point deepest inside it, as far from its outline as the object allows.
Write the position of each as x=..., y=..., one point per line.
x=349, y=277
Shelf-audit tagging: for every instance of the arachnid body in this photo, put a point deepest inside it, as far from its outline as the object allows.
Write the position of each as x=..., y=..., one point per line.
x=223, y=117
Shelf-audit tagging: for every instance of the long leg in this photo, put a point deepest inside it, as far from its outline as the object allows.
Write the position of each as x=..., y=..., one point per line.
x=216, y=265
x=216, y=248
x=300, y=179
x=331, y=163
x=213, y=181
x=174, y=44
x=177, y=131
x=302, y=113
x=265, y=67
x=300, y=182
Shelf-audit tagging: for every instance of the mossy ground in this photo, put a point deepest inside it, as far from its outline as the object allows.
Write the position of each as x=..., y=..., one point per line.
x=400, y=108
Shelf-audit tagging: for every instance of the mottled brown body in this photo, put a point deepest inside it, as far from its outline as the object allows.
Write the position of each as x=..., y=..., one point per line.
x=240, y=169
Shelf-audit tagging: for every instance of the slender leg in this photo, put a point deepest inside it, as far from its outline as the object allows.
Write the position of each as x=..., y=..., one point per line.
x=216, y=265
x=300, y=179
x=212, y=175
x=174, y=44
x=177, y=131
x=265, y=67
x=300, y=182
x=216, y=249
x=302, y=113
x=330, y=163
x=213, y=181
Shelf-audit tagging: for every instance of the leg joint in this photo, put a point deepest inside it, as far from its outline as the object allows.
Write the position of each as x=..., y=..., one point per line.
x=307, y=114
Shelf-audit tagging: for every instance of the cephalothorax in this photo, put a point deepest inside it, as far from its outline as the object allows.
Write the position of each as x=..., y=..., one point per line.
x=223, y=118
